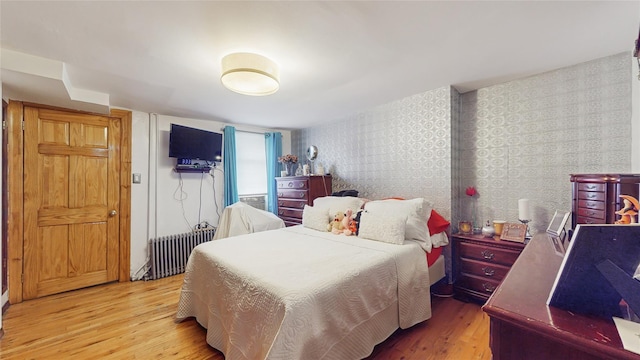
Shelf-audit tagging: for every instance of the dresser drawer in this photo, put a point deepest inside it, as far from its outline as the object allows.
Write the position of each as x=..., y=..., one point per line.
x=293, y=184
x=590, y=195
x=483, y=269
x=599, y=187
x=488, y=254
x=481, y=285
x=588, y=220
x=290, y=213
x=293, y=194
x=289, y=203
x=588, y=204
x=591, y=213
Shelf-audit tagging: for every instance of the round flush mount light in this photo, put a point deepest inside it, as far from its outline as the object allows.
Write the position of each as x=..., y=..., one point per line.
x=250, y=74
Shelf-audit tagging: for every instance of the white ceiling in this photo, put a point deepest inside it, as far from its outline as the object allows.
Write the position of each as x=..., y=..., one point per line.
x=336, y=58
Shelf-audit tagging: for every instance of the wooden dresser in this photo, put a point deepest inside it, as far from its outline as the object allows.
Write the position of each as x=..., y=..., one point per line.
x=294, y=192
x=596, y=197
x=480, y=264
x=524, y=327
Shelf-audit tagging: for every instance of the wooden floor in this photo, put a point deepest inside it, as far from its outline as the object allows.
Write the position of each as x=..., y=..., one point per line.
x=135, y=320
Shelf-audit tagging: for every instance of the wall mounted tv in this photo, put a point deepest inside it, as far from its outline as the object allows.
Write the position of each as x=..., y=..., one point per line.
x=194, y=144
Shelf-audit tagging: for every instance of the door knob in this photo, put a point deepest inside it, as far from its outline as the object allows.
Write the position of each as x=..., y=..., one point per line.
x=113, y=213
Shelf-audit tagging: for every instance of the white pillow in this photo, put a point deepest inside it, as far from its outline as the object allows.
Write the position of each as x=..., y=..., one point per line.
x=385, y=228
x=417, y=212
x=315, y=218
x=334, y=204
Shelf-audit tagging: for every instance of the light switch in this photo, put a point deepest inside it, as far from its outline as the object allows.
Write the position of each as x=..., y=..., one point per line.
x=137, y=178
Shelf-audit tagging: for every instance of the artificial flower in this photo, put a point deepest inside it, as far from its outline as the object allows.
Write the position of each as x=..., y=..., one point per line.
x=471, y=191
x=288, y=159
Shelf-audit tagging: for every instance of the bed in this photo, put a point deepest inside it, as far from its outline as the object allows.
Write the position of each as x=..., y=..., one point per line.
x=304, y=293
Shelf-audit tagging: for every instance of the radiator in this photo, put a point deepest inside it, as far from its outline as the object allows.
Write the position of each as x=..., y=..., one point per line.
x=169, y=254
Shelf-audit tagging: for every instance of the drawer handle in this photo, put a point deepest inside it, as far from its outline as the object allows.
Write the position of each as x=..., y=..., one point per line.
x=280, y=203
x=588, y=222
x=281, y=194
x=290, y=184
x=487, y=254
x=301, y=205
x=591, y=196
x=591, y=187
x=301, y=195
x=488, y=287
x=591, y=213
x=488, y=271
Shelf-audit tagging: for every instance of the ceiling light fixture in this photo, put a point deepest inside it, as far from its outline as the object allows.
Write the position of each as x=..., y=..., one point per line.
x=250, y=74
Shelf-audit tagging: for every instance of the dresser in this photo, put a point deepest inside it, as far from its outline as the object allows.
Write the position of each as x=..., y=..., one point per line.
x=596, y=197
x=294, y=192
x=480, y=264
x=524, y=327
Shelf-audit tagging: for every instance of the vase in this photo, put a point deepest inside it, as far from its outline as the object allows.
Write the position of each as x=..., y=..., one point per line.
x=288, y=167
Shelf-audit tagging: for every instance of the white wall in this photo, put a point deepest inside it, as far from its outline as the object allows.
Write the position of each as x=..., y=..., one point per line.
x=155, y=210
x=3, y=297
x=140, y=211
x=635, y=115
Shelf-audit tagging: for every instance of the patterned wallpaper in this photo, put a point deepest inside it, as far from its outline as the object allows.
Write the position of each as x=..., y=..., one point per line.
x=399, y=149
x=523, y=138
x=515, y=140
x=520, y=139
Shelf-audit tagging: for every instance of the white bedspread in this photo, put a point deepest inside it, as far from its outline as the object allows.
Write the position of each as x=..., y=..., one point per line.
x=297, y=293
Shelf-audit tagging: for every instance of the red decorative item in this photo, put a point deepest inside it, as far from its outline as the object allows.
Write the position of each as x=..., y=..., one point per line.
x=471, y=191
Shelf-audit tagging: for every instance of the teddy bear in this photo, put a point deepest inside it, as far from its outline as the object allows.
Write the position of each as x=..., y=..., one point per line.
x=342, y=223
x=336, y=226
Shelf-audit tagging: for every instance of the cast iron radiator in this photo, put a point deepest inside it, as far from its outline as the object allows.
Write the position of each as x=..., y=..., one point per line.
x=169, y=254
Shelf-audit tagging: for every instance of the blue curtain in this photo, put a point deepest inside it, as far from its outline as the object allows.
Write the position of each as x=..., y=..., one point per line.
x=230, y=172
x=273, y=149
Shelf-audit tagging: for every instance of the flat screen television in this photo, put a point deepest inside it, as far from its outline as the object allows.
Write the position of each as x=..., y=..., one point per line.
x=194, y=144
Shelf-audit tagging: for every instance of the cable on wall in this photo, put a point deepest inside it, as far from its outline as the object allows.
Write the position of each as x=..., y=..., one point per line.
x=180, y=195
x=215, y=200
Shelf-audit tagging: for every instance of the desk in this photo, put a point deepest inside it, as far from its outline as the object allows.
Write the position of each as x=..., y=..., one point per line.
x=523, y=327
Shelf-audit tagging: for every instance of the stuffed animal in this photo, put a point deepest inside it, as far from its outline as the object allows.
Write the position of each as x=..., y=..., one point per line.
x=342, y=223
x=347, y=222
x=336, y=226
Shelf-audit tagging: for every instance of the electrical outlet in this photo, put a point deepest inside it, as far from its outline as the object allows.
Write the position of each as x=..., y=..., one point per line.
x=137, y=178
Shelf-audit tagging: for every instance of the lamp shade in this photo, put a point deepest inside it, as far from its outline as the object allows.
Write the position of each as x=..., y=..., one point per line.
x=250, y=74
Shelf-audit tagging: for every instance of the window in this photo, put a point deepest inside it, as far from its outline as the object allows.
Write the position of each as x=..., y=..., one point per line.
x=252, y=169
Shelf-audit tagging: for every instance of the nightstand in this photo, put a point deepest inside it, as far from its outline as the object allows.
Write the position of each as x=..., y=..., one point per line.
x=480, y=264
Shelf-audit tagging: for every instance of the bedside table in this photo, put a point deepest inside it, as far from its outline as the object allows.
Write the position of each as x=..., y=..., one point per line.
x=480, y=264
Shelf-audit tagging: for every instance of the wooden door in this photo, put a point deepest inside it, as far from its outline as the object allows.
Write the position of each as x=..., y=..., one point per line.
x=71, y=198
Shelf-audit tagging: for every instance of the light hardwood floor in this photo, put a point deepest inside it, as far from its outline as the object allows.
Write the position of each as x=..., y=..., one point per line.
x=136, y=321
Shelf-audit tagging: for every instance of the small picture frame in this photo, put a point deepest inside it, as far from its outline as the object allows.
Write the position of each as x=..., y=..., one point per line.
x=465, y=227
x=514, y=232
x=556, y=226
x=558, y=244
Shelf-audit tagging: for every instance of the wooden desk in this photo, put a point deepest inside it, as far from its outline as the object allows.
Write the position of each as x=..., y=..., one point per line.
x=524, y=327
